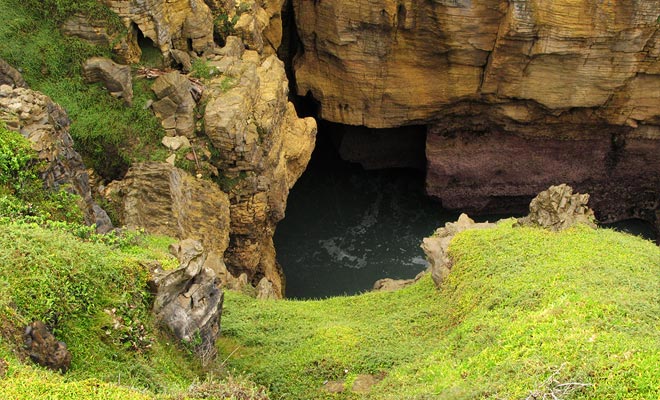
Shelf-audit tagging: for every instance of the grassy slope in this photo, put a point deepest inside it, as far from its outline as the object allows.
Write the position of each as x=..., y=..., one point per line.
x=108, y=134
x=519, y=305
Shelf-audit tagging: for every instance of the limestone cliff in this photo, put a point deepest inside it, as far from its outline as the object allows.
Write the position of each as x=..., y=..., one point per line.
x=517, y=95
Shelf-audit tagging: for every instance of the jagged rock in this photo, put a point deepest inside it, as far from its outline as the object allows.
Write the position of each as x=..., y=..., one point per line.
x=435, y=246
x=182, y=58
x=115, y=77
x=558, y=208
x=175, y=143
x=44, y=349
x=188, y=300
x=263, y=148
x=10, y=76
x=176, y=106
x=166, y=200
x=45, y=124
x=97, y=31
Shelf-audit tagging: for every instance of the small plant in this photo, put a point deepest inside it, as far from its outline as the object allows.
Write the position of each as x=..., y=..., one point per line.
x=223, y=26
x=201, y=69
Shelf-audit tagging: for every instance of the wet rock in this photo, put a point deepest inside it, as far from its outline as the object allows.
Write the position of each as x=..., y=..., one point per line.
x=435, y=246
x=44, y=349
x=558, y=208
x=46, y=125
x=10, y=76
x=189, y=301
x=175, y=105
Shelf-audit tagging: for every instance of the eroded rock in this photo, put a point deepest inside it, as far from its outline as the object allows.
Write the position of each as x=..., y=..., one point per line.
x=115, y=77
x=46, y=125
x=10, y=75
x=263, y=149
x=175, y=106
x=44, y=349
x=558, y=208
x=435, y=246
x=188, y=299
x=163, y=199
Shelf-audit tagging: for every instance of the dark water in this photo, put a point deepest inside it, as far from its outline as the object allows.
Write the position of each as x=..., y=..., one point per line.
x=635, y=227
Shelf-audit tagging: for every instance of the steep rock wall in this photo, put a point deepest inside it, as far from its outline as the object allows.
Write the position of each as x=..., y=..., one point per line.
x=517, y=95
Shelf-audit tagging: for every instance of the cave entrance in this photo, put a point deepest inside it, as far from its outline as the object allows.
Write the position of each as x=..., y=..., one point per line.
x=358, y=213
x=151, y=55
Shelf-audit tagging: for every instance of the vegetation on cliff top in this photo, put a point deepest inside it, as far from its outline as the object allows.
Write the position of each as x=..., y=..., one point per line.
x=525, y=312
x=109, y=135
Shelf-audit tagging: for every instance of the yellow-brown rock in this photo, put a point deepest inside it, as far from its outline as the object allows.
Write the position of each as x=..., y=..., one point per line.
x=166, y=200
x=264, y=148
x=394, y=63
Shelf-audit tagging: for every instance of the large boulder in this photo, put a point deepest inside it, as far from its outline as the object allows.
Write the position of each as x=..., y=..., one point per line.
x=44, y=349
x=46, y=125
x=558, y=208
x=115, y=77
x=189, y=300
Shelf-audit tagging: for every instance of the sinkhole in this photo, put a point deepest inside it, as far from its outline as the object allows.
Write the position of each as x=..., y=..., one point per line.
x=358, y=213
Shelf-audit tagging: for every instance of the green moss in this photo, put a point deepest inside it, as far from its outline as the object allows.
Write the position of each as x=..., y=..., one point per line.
x=523, y=311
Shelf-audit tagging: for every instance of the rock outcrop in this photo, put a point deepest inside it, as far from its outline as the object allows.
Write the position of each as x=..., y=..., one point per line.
x=435, y=246
x=558, y=208
x=175, y=105
x=263, y=149
x=10, y=75
x=115, y=77
x=161, y=198
x=44, y=349
x=188, y=299
x=518, y=95
x=45, y=124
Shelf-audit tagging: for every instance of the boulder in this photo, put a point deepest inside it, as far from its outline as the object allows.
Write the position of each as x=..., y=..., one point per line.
x=44, y=349
x=558, y=208
x=10, y=76
x=188, y=299
x=175, y=106
x=46, y=125
x=175, y=143
x=115, y=77
x=435, y=246
x=183, y=59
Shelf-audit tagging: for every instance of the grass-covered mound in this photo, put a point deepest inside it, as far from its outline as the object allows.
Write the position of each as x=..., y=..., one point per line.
x=524, y=312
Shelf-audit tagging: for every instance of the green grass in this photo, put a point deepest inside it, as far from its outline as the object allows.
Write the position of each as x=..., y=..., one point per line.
x=109, y=135
x=521, y=306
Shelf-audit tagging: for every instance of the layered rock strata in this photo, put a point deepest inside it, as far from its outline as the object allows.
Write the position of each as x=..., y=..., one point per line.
x=45, y=124
x=263, y=148
x=518, y=95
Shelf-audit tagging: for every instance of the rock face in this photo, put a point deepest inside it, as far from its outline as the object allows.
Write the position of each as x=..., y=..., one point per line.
x=263, y=149
x=161, y=198
x=189, y=300
x=558, y=208
x=44, y=349
x=45, y=124
x=115, y=77
x=435, y=246
x=175, y=105
x=517, y=95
